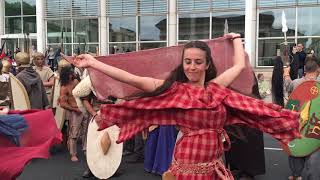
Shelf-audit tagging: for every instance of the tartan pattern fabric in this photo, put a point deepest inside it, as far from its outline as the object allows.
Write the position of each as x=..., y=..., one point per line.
x=201, y=113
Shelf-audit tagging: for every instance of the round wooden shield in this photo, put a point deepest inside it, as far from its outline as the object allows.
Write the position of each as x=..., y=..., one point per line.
x=102, y=165
x=306, y=100
x=19, y=95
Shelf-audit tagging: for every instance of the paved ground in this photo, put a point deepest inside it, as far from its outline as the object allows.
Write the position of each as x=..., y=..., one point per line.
x=59, y=167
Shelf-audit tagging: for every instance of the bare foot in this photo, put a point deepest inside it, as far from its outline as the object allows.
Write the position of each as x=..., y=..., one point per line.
x=290, y=178
x=74, y=158
x=299, y=178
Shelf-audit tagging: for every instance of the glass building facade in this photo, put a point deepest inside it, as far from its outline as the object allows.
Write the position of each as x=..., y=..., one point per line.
x=117, y=26
x=302, y=21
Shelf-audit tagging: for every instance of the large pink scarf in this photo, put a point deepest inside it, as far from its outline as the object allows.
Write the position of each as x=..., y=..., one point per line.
x=158, y=63
x=35, y=142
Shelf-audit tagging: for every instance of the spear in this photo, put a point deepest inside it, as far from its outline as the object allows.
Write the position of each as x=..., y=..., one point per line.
x=226, y=27
x=2, y=47
x=284, y=30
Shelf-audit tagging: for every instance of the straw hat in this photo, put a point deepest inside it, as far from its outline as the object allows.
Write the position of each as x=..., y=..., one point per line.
x=23, y=59
x=103, y=161
x=6, y=66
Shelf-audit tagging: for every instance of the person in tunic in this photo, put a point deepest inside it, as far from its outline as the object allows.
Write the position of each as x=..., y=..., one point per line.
x=45, y=73
x=197, y=101
x=31, y=81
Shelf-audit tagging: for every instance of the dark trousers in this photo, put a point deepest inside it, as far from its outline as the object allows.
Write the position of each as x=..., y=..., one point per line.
x=296, y=165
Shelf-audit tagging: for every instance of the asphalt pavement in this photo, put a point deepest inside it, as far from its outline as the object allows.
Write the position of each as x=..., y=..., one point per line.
x=60, y=167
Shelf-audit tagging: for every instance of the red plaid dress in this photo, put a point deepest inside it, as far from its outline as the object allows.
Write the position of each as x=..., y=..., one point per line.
x=201, y=113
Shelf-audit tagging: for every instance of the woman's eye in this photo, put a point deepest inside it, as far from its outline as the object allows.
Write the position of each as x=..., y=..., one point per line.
x=187, y=61
x=199, y=62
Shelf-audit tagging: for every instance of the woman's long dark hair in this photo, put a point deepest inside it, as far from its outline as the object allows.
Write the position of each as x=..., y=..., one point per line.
x=277, y=82
x=178, y=75
x=65, y=75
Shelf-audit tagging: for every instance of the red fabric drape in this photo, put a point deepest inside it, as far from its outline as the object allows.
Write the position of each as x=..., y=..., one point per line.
x=159, y=62
x=41, y=134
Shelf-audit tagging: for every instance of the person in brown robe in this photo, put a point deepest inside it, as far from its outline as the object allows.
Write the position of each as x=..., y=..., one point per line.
x=31, y=81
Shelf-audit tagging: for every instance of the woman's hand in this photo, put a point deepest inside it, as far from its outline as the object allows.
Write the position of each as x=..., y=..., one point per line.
x=84, y=61
x=232, y=35
x=239, y=57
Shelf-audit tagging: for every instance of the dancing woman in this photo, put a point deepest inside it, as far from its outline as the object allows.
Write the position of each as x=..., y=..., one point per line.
x=197, y=101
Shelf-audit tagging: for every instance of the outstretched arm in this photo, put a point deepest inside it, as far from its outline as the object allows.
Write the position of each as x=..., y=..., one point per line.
x=146, y=84
x=227, y=77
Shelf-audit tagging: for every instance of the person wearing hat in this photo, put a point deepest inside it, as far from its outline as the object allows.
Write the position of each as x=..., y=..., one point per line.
x=4, y=90
x=5, y=70
x=31, y=81
x=5, y=67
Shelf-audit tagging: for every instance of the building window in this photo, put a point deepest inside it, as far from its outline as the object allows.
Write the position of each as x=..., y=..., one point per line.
x=199, y=19
x=270, y=22
x=85, y=30
x=122, y=29
x=13, y=25
x=194, y=26
x=29, y=24
x=29, y=7
x=59, y=31
x=20, y=19
x=268, y=49
x=308, y=21
x=228, y=21
x=12, y=8
x=76, y=35
x=152, y=28
x=271, y=37
x=136, y=24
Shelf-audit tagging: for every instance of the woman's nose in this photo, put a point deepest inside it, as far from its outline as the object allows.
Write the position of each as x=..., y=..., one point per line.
x=192, y=65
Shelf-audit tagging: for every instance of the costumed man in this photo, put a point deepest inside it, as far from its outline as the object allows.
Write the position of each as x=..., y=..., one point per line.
x=4, y=80
x=66, y=100
x=32, y=82
x=6, y=69
x=45, y=73
x=305, y=166
x=89, y=104
x=4, y=90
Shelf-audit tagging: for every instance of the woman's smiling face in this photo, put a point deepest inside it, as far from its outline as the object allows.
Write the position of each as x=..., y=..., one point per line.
x=195, y=66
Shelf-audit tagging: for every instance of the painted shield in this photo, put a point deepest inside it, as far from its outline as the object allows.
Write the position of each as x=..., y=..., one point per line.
x=306, y=100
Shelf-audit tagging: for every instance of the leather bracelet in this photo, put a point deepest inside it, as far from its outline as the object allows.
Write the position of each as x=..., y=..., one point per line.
x=235, y=38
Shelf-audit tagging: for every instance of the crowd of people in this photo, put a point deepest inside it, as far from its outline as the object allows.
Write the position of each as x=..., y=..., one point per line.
x=194, y=101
